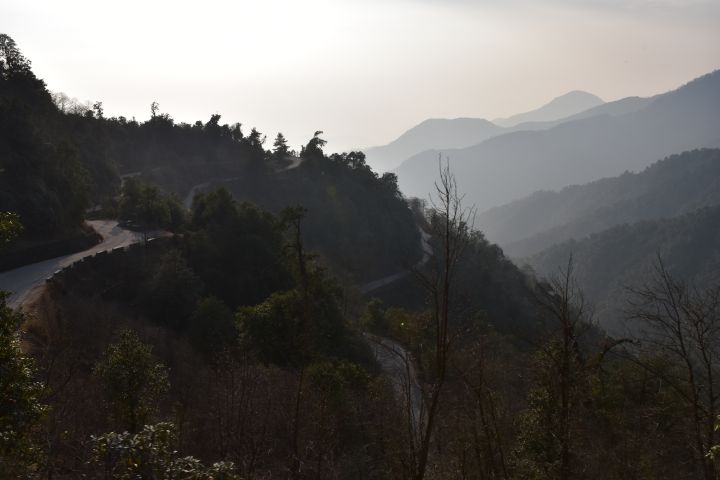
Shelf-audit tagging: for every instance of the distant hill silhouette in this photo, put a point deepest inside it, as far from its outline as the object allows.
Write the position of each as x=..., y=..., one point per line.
x=617, y=107
x=561, y=107
x=513, y=165
x=608, y=262
x=441, y=133
x=671, y=187
x=432, y=133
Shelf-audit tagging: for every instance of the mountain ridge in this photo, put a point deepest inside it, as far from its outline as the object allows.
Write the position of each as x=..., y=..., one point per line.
x=608, y=262
x=512, y=165
x=669, y=187
x=461, y=132
x=563, y=106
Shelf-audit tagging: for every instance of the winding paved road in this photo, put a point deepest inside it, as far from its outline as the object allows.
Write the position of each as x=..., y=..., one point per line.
x=398, y=366
x=395, y=361
x=21, y=281
x=427, y=253
x=187, y=202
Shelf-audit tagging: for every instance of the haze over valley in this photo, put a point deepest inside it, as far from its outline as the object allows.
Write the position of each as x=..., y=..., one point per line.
x=626, y=135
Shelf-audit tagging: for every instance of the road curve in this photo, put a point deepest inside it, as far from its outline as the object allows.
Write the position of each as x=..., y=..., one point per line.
x=379, y=283
x=21, y=281
x=398, y=367
x=396, y=361
x=187, y=202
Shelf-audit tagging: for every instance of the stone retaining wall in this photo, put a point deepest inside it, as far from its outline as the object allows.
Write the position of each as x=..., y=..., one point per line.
x=107, y=261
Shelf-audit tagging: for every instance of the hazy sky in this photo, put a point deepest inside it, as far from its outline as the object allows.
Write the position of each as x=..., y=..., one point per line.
x=361, y=70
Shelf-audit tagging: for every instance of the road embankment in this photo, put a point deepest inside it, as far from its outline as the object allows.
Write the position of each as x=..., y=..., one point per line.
x=39, y=251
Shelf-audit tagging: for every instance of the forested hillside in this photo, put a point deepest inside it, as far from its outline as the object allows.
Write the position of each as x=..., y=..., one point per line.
x=223, y=340
x=610, y=261
x=670, y=187
x=50, y=166
x=58, y=158
x=358, y=221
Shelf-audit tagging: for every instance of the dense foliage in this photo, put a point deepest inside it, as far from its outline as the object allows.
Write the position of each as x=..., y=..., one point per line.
x=41, y=175
x=173, y=349
x=356, y=219
x=491, y=291
x=20, y=397
x=10, y=226
x=132, y=381
x=146, y=207
x=151, y=454
x=227, y=240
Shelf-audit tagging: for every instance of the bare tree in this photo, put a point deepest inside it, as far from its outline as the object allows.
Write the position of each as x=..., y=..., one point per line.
x=566, y=305
x=61, y=100
x=70, y=105
x=240, y=410
x=481, y=415
x=552, y=434
x=682, y=323
x=451, y=224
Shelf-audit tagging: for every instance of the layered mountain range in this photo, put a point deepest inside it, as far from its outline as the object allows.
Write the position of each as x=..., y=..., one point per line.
x=668, y=188
x=616, y=185
x=440, y=133
x=627, y=135
x=608, y=265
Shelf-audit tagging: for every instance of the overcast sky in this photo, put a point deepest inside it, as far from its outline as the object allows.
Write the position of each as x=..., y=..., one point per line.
x=361, y=70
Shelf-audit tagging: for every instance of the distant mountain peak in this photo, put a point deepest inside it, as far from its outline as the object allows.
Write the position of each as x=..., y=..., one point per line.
x=627, y=134
x=575, y=96
x=563, y=106
x=577, y=93
x=433, y=133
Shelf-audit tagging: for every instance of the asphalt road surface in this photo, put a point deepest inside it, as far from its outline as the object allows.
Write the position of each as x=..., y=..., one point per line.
x=21, y=281
x=376, y=284
x=395, y=361
x=398, y=367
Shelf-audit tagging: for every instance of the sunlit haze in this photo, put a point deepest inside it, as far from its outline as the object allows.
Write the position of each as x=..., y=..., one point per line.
x=363, y=71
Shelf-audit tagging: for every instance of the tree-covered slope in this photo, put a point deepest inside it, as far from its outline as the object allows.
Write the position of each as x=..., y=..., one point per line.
x=356, y=219
x=45, y=174
x=58, y=158
x=670, y=187
x=623, y=256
